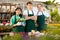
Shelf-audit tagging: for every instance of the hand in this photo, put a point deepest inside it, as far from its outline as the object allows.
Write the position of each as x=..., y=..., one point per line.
x=33, y=18
x=15, y=25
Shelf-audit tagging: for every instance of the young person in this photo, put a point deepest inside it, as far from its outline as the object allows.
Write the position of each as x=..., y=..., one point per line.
x=41, y=16
x=30, y=17
x=18, y=21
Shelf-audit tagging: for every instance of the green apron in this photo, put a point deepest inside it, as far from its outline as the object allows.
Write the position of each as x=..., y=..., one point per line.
x=30, y=24
x=18, y=28
x=41, y=22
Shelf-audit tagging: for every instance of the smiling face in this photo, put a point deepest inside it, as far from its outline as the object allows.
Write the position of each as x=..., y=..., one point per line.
x=18, y=11
x=29, y=6
x=39, y=6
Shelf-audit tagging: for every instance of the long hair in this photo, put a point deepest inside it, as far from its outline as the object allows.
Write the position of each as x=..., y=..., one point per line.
x=16, y=10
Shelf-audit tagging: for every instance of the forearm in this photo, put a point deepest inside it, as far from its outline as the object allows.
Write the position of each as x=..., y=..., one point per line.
x=34, y=18
x=27, y=18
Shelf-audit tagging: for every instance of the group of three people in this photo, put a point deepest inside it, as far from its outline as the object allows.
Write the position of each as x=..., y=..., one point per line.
x=30, y=18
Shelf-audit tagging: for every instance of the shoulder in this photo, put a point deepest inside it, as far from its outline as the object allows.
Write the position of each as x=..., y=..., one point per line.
x=46, y=14
x=13, y=16
x=25, y=12
x=35, y=11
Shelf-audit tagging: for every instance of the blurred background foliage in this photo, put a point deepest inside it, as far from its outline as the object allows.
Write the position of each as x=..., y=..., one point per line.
x=55, y=16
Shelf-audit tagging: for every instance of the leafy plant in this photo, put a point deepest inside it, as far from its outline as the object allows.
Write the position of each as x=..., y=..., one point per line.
x=55, y=17
x=15, y=37
x=5, y=28
x=49, y=2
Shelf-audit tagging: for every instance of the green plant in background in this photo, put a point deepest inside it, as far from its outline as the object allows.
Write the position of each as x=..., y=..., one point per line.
x=42, y=37
x=15, y=37
x=54, y=34
x=54, y=30
x=58, y=18
x=6, y=37
x=46, y=37
x=55, y=15
x=49, y=2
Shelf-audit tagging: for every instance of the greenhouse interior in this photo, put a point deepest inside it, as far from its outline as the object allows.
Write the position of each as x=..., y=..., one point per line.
x=29, y=19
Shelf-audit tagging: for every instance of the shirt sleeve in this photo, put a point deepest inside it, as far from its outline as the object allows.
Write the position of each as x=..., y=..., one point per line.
x=46, y=14
x=25, y=12
x=12, y=20
x=35, y=11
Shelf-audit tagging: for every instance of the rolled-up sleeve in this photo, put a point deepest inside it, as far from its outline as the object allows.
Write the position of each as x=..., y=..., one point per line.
x=46, y=14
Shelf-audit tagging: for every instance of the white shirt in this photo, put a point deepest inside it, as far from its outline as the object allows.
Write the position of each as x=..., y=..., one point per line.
x=44, y=13
x=30, y=12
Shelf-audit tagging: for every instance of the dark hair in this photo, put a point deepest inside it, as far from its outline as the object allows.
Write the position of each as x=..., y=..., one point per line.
x=17, y=9
x=29, y=3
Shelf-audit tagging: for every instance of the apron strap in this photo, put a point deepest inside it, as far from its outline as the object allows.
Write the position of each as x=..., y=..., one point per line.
x=38, y=13
x=28, y=12
x=42, y=13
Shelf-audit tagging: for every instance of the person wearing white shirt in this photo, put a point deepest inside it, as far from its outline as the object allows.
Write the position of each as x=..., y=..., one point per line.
x=41, y=18
x=30, y=16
